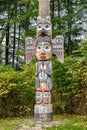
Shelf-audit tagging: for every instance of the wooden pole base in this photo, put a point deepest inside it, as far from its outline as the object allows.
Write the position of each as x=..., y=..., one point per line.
x=43, y=112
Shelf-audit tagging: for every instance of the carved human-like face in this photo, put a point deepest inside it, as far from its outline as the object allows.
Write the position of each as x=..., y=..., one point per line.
x=38, y=97
x=43, y=51
x=47, y=97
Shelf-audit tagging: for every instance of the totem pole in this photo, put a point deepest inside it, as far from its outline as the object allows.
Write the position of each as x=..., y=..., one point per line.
x=43, y=47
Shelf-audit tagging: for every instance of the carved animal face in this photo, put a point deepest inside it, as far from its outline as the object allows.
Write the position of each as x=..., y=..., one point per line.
x=30, y=48
x=59, y=39
x=43, y=51
x=29, y=41
x=44, y=26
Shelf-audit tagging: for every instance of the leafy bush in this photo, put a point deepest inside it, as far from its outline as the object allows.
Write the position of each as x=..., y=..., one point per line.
x=16, y=92
x=70, y=84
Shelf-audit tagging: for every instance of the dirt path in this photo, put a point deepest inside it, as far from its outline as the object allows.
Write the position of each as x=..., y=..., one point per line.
x=32, y=125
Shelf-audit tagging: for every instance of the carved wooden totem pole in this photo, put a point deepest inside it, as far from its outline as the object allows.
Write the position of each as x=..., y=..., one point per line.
x=43, y=47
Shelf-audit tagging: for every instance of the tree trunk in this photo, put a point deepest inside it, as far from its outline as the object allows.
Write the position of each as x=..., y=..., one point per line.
x=27, y=22
x=1, y=45
x=59, y=18
x=69, y=5
x=14, y=40
x=17, y=59
x=7, y=44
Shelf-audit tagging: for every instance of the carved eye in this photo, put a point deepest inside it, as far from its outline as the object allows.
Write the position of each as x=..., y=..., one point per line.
x=47, y=48
x=38, y=95
x=39, y=27
x=29, y=42
x=59, y=40
x=39, y=47
x=47, y=26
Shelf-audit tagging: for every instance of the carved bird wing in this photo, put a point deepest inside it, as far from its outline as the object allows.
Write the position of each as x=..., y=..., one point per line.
x=58, y=48
x=30, y=48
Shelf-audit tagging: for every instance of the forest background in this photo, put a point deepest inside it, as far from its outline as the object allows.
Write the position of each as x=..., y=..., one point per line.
x=17, y=80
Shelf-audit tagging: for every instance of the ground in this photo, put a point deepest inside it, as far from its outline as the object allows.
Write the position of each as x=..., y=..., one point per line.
x=59, y=122
x=33, y=125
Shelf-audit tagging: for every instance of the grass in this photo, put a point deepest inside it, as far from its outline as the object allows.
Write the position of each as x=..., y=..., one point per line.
x=71, y=123
x=11, y=123
x=68, y=122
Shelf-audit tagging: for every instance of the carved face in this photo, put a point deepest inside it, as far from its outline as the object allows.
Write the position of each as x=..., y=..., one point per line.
x=30, y=48
x=38, y=97
x=59, y=39
x=43, y=26
x=47, y=97
x=43, y=51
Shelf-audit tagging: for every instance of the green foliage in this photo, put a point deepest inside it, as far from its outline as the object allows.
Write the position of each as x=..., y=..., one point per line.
x=70, y=83
x=83, y=49
x=16, y=91
x=71, y=123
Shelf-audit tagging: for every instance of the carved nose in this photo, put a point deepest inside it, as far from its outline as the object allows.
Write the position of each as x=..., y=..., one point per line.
x=43, y=29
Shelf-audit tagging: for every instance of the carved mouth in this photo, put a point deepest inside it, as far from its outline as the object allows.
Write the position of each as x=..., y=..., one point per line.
x=43, y=33
x=43, y=57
